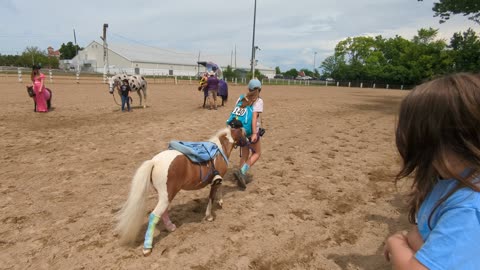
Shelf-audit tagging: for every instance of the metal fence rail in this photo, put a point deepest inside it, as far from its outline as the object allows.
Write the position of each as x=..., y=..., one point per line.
x=67, y=77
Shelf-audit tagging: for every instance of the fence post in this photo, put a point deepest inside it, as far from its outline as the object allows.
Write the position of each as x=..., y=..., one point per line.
x=361, y=85
x=374, y=86
x=78, y=76
x=349, y=84
x=388, y=86
x=176, y=82
x=19, y=75
x=326, y=83
x=50, y=75
x=338, y=84
x=401, y=87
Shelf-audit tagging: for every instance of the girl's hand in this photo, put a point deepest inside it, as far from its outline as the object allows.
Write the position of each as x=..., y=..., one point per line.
x=415, y=240
x=399, y=237
x=254, y=137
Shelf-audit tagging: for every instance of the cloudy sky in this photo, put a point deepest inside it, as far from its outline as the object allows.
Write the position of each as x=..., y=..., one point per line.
x=287, y=32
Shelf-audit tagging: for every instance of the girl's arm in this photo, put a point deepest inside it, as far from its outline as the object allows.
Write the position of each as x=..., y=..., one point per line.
x=400, y=254
x=254, y=126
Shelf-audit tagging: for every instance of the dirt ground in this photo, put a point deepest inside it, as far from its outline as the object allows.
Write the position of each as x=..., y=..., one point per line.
x=323, y=195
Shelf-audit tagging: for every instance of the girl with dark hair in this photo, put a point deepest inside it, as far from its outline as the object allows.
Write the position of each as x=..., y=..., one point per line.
x=38, y=83
x=438, y=138
x=125, y=94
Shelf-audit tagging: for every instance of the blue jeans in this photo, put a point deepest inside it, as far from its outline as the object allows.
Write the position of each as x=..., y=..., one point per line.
x=125, y=99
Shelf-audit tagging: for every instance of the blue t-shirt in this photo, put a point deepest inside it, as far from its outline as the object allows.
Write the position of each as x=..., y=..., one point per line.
x=455, y=236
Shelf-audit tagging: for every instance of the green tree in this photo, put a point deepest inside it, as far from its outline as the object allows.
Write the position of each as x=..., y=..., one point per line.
x=9, y=60
x=69, y=50
x=446, y=8
x=394, y=60
x=465, y=51
x=329, y=66
x=428, y=57
x=308, y=72
x=292, y=73
x=277, y=70
x=425, y=36
x=33, y=55
x=258, y=75
x=228, y=73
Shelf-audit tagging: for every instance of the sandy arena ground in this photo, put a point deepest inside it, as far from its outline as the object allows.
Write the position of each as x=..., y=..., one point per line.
x=322, y=197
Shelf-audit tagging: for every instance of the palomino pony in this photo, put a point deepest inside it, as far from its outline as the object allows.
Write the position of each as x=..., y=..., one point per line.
x=48, y=97
x=169, y=172
x=136, y=83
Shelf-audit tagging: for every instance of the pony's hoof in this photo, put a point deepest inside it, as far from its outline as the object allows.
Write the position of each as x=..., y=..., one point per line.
x=209, y=218
x=220, y=203
x=171, y=227
x=147, y=252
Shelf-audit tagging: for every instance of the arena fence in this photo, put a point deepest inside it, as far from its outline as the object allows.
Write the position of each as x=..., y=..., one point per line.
x=56, y=76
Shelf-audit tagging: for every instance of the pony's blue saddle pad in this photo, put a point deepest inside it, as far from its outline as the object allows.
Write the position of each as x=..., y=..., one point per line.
x=198, y=152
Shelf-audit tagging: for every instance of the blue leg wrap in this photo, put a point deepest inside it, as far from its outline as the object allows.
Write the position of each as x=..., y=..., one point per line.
x=152, y=222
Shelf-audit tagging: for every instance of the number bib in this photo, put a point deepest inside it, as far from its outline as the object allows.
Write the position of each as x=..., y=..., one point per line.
x=244, y=115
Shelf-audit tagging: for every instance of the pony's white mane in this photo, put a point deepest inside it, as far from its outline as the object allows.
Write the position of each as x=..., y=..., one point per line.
x=216, y=138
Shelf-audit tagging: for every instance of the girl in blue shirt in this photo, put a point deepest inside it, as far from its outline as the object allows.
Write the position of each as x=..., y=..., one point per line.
x=438, y=138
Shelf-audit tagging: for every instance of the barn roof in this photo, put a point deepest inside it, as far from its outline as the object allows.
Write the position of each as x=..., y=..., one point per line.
x=150, y=54
x=147, y=54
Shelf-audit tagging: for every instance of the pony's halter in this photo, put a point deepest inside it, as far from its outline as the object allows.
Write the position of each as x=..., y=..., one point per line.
x=242, y=140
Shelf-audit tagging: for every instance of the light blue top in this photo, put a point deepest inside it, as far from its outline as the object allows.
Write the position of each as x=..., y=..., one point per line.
x=454, y=241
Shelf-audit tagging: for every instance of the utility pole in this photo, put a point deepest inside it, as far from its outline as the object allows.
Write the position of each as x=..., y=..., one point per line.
x=76, y=48
x=253, y=41
x=106, y=69
x=198, y=65
x=314, y=56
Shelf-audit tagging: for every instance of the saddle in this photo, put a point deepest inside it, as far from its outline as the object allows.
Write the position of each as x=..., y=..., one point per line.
x=197, y=152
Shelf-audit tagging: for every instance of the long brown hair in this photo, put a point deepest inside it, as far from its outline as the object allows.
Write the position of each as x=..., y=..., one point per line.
x=437, y=118
x=33, y=74
x=250, y=98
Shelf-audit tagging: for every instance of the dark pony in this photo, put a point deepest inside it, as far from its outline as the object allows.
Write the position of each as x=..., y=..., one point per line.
x=222, y=92
x=31, y=93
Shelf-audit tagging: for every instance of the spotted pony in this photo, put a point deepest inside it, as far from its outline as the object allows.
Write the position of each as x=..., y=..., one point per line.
x=136, y=83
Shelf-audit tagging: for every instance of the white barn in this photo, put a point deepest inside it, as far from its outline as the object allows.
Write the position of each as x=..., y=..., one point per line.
x=148, y=60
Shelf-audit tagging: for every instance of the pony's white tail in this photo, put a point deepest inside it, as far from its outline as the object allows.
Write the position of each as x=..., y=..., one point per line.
x=130, y=217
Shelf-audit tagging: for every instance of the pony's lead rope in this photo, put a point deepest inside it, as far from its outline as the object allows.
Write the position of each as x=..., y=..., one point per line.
x=130, y=99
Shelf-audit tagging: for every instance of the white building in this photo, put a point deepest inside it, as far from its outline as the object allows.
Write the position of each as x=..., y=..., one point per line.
x=146, y=60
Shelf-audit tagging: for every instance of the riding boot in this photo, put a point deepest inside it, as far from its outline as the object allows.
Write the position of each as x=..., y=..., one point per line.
x=241, y=181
